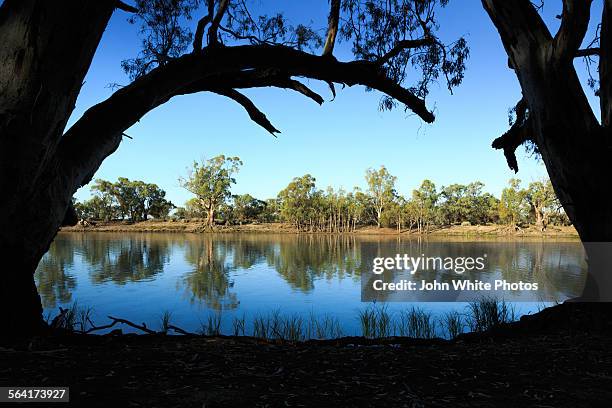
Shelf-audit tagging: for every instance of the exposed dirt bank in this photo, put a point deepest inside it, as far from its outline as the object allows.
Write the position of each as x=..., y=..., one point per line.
x=559, y=358
x=199, y=226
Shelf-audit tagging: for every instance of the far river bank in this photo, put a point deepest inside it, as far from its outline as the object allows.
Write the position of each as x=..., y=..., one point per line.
x=199, y=226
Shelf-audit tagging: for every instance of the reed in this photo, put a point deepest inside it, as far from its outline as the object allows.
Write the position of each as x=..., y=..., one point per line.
x=238, y=325
x=323, y=327
x=165, y=319
x=212, y=326
x=489, y=312
x=416, y=323
x=375, y=322
x=452, y=323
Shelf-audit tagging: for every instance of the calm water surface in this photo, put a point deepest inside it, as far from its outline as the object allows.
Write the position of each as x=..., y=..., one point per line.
x=138, y=276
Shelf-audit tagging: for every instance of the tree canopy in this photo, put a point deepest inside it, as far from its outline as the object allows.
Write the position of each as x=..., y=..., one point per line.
x=211, y=181
x=125, y=199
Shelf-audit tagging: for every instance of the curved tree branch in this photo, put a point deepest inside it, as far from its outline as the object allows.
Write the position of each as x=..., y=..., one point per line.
x=99, y=132
x=255, y=114
x=301, y=88
x=403, y=45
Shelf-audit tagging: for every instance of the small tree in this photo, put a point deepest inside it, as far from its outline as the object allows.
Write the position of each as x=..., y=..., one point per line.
x=511, y=204
x=381, y=187
x=424, y=207
x=211, y=182
x=297, y=200
x=541, y=197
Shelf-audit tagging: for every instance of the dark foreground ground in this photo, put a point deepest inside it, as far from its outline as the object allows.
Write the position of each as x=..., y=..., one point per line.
x=560, y=358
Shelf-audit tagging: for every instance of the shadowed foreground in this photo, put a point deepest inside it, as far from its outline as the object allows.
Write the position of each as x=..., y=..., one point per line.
x=531, y=364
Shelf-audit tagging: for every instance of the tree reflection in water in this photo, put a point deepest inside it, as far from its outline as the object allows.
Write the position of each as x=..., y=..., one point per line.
x=125, y=258
x=209, y=282
x=208, y=265
x=55, y=284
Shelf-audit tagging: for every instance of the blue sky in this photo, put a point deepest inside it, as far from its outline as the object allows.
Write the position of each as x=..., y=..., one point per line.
x=334, y=142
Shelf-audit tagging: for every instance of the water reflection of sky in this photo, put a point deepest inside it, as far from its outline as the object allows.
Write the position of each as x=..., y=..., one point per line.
x=139, y=276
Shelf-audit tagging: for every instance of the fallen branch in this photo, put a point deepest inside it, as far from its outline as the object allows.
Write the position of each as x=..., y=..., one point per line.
x=142, y=327
x=181, y=331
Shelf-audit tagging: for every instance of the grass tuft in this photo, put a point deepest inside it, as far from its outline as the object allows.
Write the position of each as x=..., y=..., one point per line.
x=238, y=325
x=416, y=323
x=165, y=319
x=453, y=324
x=212, y=326
x=489, y=312
x=375, y=322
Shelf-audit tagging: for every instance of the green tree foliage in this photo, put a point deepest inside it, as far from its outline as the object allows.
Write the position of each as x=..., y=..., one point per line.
x=512, y=203
x=467, y=203
x=124, y=199
x=247, y=208
x=271, y=211
x=96, y=208
x=424, y=210
x=298, y=201
x=542, y=202
x=311, y=209
x=211, y=183
x=381, y=187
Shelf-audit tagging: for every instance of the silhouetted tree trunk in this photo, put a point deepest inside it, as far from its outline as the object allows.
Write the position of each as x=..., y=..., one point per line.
x=555, y=115
x=46, y=50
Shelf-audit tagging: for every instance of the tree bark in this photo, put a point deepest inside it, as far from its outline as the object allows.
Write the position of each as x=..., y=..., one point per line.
x=46, y=50
x=210, y=219
x=574, y=146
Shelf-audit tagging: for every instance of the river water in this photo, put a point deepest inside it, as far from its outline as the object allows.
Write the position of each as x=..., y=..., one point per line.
x=139, y=276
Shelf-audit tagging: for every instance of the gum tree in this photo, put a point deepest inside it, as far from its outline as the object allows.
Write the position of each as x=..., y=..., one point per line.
x=381, y=187
x=47, y=48
x=543, y=202
x=211, y=183
x=555, y=118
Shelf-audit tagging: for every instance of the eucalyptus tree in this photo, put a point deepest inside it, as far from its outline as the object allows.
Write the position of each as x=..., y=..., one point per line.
x=125, y=199
x=541, y=197
x=247, y=208
x=47, y=49
x=381, y=187
x=554, y=116
x=297, y=201
x=425, y=208
x=512, y=203
x=211, y=183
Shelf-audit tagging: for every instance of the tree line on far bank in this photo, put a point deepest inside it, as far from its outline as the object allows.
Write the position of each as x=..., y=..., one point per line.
x=311, y=209
x=125, y=200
